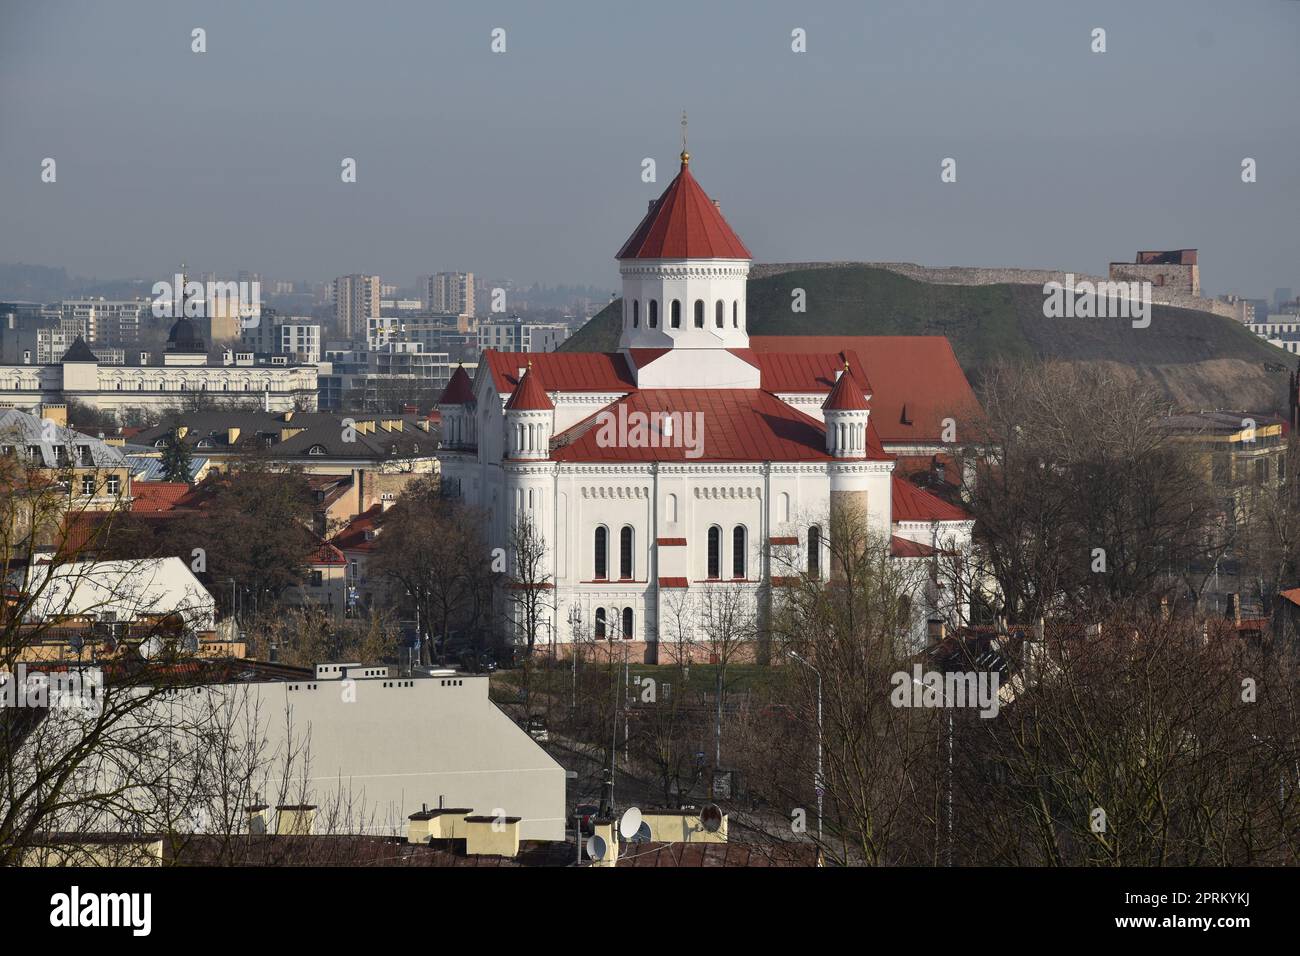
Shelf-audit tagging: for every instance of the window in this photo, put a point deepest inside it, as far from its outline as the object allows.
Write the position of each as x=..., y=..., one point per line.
x=735, y=313
x=87, y=485
x=113, y=485
x=600, y=623
x=738, y=552
x=699, y=313
x=636, y=313
x=654, y=313
x=625, y=553
x=602, y=553
x=677, y=314
x=317, y=579
x=719, y=314
x=815, y=551
x=627, y=624
x=783, y=506
x=670, y=508
x=715, y=552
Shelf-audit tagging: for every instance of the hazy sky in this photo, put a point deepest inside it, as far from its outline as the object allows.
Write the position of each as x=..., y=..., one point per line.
x=527, y=164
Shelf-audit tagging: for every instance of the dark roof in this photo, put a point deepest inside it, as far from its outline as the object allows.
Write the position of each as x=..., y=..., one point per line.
x=323, y=430
x=79, y=351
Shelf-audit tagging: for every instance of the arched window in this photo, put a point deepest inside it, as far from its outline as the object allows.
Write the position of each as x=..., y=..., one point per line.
x=677, y=313
x=699, y=313
x=738, y=553
x=600, y=623
x=719, y=314
x=735, y=313
x=625, y=553
x=670, y=508
x=815, y=551
x=654, y=313
x=602, y=553
x=627, y=624
x=636, y=313
x=783, y=506
x=715, y=552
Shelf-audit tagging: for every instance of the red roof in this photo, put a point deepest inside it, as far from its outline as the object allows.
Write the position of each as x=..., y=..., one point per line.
x=569, y=371
x=738, y=424
x=157, y=495
x=327, y=553
x=1292, y=595
x=354, y=536
x=911, y=503
x=529, y=395
x=846, y=396
x=684, y=223
x=460, y=390
x=904, y=548
x=915, y=380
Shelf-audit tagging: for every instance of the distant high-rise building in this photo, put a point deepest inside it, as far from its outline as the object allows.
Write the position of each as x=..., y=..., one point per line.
x=452, y=292
x=356, y=301
x=1282, y=296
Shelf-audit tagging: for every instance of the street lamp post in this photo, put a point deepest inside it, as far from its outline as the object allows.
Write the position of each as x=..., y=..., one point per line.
x=817, y=781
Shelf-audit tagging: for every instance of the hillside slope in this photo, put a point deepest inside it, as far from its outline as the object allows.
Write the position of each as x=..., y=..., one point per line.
x=1199, y=360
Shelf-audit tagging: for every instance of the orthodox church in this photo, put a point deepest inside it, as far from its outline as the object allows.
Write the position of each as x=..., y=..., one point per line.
x=698, y=460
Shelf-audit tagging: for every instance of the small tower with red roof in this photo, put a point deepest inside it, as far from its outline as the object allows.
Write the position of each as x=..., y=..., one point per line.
x=530, y=419
x=847, y=415
x=456, y=405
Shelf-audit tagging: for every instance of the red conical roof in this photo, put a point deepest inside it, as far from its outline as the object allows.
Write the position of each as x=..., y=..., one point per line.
x=684, y=223
x=846, y=396
x=529, y=395
x=459, y=391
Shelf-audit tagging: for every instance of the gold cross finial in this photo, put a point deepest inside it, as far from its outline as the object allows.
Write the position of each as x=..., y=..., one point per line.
x=686, y=157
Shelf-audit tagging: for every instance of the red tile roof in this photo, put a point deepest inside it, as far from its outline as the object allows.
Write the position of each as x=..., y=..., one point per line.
x=157, y=495
x=915, y=381
x=326, y=553
x=738, y=424
x=846, y=396
x=683, y=223
x=459, y=391
x=530, y=395
x=569, y=371
x=903, y=548
x=1292, y=595
x=353, y=537
x=911, y=503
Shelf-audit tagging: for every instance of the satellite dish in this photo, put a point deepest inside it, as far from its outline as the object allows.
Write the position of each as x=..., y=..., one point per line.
x=711, y=818
x=642, y=833
x=630, y=823
x=151, y=646
x=596, y=848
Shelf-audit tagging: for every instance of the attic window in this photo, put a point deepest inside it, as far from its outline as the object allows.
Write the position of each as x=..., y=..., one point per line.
x=314, y=450
x=902, y=416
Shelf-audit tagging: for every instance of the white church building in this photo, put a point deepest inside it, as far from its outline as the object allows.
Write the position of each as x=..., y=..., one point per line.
x=697, y=459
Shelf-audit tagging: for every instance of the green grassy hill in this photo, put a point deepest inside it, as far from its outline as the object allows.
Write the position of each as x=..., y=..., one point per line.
x=1200, y=360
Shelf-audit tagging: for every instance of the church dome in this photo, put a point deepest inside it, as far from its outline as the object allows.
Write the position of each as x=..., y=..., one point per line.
x=184, y=337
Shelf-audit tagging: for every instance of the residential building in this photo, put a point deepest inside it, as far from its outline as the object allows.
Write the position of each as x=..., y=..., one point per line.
x=356, y=300
x=516, y=335
x=452, y=292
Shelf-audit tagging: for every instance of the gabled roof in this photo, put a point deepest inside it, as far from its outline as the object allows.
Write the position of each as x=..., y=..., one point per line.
x=684, y=223
x=79, y=351
x=846, y=396
x=915, y=380
x=1292, y=595
x=154, y=496
x=910, y=503
x=359, y=535
x=568, y=371
x=905, y=548
x=326, y=554
x=530, y=395
x=736, y=424
x=460, y=390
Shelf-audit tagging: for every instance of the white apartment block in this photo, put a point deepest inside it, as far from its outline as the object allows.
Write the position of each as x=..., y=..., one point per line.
x=517, y=336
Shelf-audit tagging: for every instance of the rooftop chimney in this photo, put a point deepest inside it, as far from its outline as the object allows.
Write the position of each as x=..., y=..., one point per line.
x=492, y=836
x=935, y=631
x=259, y=818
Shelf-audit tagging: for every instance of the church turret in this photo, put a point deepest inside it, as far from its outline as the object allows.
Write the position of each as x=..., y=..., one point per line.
x=530, y=419
x=847, y=414
x=456, y=406
x=684, y=272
